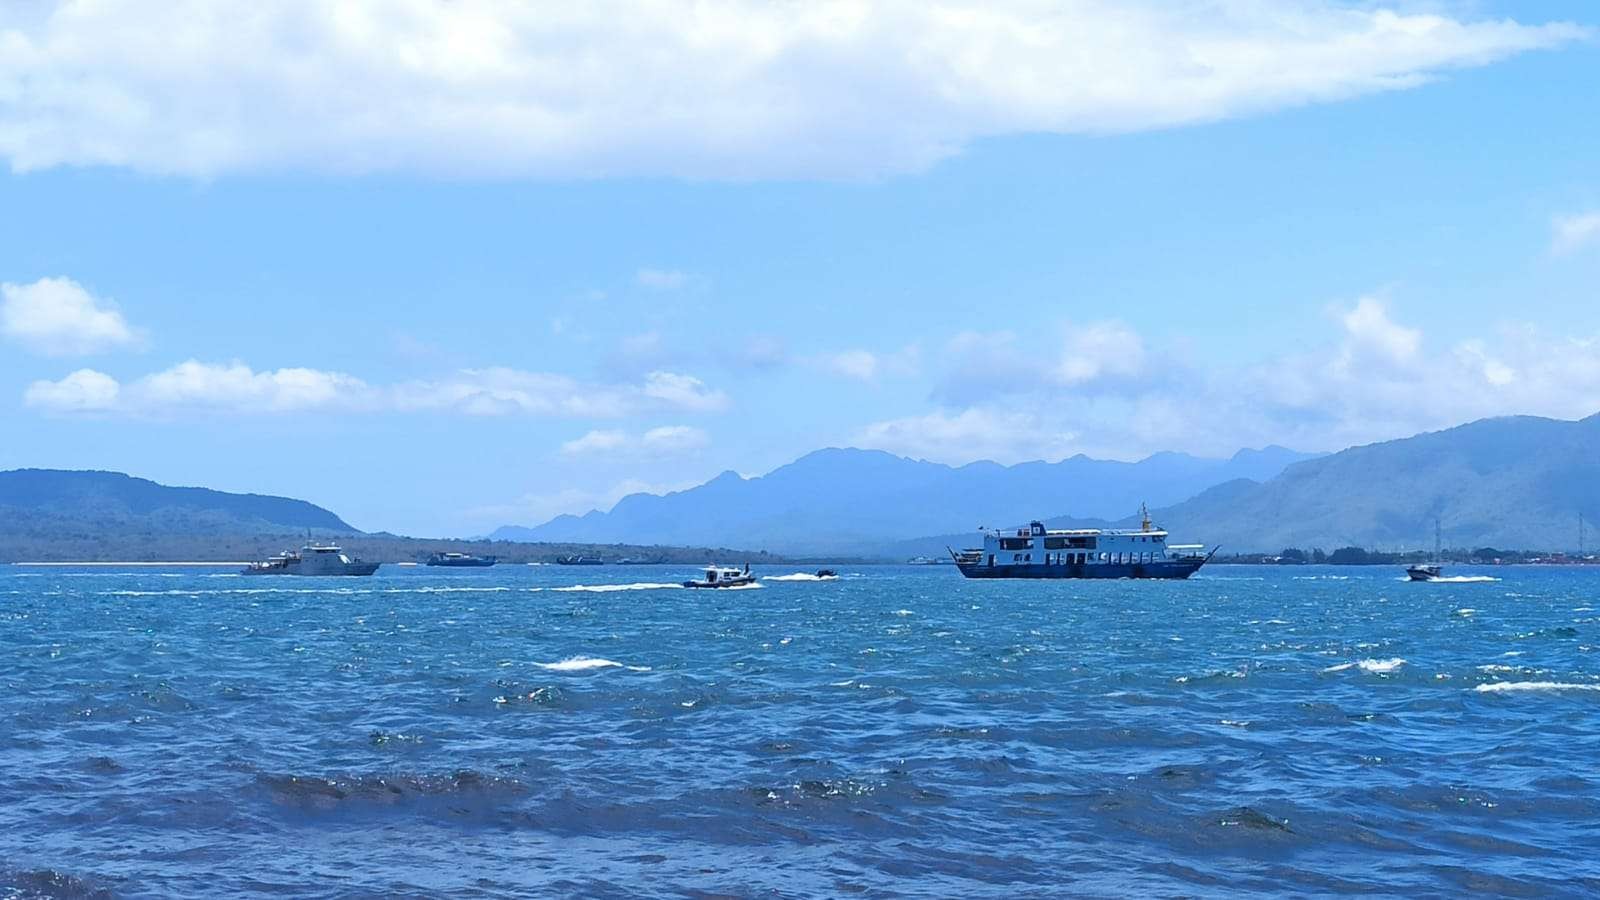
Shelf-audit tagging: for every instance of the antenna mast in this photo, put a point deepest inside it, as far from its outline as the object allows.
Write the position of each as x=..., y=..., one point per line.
x=1436, y=542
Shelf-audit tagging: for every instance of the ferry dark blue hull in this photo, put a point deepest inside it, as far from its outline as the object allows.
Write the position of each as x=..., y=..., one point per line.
x=1177, y=568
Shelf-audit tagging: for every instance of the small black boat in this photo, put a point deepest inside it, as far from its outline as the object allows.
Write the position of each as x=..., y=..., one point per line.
x=827, y=573
x=460, y=560
x=579, y=561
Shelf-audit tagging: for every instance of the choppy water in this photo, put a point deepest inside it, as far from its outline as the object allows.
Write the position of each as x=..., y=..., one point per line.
x=897, y=732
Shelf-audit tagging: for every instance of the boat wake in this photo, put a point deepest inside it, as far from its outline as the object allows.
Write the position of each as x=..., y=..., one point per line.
x=611, y=588
x=1505, y=687
x=802, y=576
x=1462, y=579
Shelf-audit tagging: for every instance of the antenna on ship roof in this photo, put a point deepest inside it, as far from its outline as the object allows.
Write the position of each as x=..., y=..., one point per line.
x=1144, y=515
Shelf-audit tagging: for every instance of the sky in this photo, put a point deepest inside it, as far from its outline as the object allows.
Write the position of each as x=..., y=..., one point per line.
x=447, y=266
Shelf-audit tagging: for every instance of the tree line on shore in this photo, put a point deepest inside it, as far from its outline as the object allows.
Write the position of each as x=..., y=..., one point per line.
x=1361, y=556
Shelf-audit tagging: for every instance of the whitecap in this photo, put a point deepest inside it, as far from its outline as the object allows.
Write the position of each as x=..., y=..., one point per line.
x=1373, y=666
x=1503, y=687
x=585, y=663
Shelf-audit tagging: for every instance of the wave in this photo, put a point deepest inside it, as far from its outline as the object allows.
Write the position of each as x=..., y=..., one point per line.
x=1506, y=687
x=608, y=588
x=585, y=663
x=801, y=576
x=1373, y=666
x=1460, y=579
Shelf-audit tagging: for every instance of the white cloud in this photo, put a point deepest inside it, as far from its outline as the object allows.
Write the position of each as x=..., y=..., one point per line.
x=1377, y=379
x=1003, y=435
x=235, y=387
x=666, y=440
x=1093, y=355
x=1575, y=232
x=660, y=279
x=675, y=439
x=600, y=441
x=58, y=317
x=684, y=392
x=1101, y=350
x=1372, y=336
x=737, y=89
x=865, y=365
x=83, y=391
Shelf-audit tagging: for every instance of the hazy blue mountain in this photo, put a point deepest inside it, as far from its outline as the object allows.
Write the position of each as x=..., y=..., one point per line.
x=1513, y=483
x=850, y=501
x=48, y=500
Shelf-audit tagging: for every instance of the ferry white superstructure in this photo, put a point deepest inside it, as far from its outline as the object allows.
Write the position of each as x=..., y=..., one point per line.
x=1038, y=552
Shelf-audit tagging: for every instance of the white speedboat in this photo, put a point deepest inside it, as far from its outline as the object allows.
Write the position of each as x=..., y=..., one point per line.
x=723, y=577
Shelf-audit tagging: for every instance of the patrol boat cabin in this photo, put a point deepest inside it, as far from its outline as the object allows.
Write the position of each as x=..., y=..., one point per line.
x=1038, y=552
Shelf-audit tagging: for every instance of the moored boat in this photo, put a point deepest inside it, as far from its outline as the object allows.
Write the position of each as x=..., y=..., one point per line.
x=460, y=560
x=1038, y=552
x=579, y=560
x=312, y=559
x=723, y=577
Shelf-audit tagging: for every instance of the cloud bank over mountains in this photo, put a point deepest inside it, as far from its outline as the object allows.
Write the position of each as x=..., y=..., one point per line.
x=737, y=89
x=1113, y=393
x=195, y=387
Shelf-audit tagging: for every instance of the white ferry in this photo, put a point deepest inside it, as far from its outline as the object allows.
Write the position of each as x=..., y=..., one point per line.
x=1037, y=552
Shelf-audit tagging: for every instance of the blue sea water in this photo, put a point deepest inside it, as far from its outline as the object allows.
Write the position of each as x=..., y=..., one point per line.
x=898, y=732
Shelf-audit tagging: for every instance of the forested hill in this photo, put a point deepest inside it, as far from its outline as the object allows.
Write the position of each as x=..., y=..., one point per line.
x=51, y=501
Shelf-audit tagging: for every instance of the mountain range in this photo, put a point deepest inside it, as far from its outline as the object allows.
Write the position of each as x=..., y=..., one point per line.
x=1517, y=482
x=859, y=501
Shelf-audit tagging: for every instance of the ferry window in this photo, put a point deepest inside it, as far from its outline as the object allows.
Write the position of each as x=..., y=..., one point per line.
x=1015, y=544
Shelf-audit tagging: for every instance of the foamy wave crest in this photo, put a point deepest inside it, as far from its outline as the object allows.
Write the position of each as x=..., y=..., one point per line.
x=1462, y=579
x=608, y=588
x=1506, y=687
x=802, y=576
x=585, y=663
x=1374, y=666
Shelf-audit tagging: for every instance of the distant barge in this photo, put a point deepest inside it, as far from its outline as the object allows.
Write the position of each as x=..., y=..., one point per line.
x=460, y=561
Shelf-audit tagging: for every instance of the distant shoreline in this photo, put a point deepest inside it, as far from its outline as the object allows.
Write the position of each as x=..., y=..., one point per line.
x=59, y=565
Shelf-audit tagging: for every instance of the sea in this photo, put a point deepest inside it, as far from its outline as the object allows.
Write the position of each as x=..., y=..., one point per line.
x=895, y=732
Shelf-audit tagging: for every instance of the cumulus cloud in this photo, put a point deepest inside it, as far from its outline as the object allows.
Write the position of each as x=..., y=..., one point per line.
x=59, y=317
x=1575, y=232
x=866, y=365
x=1003, y=435
x=83, y=391
x=235, y=387
x=735, y=89
x=1103, y=355
x=666, y=440
x=1378, y=378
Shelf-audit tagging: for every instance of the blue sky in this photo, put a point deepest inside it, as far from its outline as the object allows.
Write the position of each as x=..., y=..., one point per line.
x=448, y=267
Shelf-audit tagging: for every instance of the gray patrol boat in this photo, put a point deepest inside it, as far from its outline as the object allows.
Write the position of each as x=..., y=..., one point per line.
x=312, y=559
